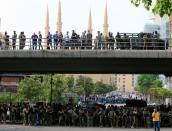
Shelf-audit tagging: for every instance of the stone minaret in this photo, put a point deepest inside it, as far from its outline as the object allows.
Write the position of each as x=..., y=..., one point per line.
x=90, y=22
x=47, y=27
x=59, y=21
x=1, y=35
x=105, y=25
x=170, y=22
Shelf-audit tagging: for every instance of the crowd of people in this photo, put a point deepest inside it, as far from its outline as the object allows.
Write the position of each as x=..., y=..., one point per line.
x=74, y=115
x=83, y=41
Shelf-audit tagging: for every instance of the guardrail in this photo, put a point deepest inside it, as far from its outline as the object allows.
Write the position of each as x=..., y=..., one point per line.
x=84, y=44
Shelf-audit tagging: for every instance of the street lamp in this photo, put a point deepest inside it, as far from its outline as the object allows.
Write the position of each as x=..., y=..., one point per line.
x=51, y=93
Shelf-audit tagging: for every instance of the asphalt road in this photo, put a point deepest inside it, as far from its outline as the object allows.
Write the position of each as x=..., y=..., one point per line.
x=42, y=128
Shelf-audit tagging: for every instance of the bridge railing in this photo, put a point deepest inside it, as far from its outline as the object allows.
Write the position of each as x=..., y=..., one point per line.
x=85, y=44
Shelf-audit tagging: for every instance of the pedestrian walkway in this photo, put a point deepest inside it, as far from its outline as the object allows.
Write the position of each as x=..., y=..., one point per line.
x=55, y=128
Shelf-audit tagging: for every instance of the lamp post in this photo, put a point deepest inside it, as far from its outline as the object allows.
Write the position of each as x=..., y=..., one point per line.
x=51, y=93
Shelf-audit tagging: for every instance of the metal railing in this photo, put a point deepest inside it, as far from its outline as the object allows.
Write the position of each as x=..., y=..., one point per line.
x=83, y=44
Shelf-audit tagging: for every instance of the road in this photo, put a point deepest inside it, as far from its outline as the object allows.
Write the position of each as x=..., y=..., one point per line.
x=42, y=128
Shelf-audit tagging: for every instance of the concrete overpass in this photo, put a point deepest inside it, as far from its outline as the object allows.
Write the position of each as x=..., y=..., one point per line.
x=85, y=61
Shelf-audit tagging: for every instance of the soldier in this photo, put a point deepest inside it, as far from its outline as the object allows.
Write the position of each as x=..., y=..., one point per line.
x=146, y=118
x=89, y=118
x=124, y=118
x=61, y=117
x=25, y=115
x=101, y=115
x=135, y=121
x=81, y=117
x=14, y=37
x=170, y=116
x=111, y=116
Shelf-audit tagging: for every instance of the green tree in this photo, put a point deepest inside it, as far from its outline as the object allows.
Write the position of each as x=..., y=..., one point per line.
x=30, y=88
x=8, y=98
x=161, y=7
x=70, y=83
x=159, y=93
x=147, y=81
x=84, y=86
x=60, y=88
x=46, y=88
x=101, y=88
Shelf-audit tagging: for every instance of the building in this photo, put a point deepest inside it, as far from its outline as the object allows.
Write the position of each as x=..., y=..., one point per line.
x=165, y=30
x=104, y=78
x=125, y=82
x=150, y=28
x=9, y=82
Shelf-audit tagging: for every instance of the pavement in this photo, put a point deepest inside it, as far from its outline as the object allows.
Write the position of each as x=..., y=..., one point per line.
x=56, y=128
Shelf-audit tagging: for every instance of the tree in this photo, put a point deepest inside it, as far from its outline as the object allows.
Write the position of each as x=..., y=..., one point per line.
x=101, y=88
x=160, y=93
x=161, y=7
x=70, y=83
x=60, y=89
x=146, y=82
x=30, y=88
x=84, y=86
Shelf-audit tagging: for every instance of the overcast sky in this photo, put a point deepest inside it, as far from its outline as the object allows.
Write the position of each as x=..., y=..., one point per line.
x=29, y=15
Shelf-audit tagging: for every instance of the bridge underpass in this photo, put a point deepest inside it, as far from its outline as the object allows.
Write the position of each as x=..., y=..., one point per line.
x=80, y=61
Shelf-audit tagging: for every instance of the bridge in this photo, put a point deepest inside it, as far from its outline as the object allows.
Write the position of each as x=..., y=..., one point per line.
x=86, y=61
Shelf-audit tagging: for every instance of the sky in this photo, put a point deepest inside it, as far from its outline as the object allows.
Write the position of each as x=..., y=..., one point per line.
x=29, y=15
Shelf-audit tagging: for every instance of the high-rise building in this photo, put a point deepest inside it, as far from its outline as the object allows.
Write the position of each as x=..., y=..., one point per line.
x=125, y=82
